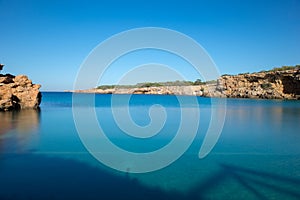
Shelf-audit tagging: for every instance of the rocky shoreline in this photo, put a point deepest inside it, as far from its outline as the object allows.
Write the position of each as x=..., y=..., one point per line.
x=265, y=85
x=261, y=85
x=18, y=92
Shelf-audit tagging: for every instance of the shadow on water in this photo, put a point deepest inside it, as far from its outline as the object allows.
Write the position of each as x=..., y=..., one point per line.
x=41, y=177
x=259, y=184
x=33, y=176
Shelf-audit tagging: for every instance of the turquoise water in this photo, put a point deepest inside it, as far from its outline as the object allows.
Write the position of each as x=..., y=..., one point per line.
x=256, y=157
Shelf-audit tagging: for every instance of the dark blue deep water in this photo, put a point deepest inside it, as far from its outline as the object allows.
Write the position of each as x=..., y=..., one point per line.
x=256, y=157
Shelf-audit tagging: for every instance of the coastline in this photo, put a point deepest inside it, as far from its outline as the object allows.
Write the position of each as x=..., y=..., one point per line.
x=283, y=84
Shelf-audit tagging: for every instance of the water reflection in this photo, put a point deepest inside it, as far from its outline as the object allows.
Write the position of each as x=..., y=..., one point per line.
x=18, y=130
x=263, y=117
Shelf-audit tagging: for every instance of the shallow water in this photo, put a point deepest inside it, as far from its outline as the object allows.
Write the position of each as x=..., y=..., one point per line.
x=256, y=157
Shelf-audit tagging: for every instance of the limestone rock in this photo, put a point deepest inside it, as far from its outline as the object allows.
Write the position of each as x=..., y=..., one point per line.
x=18, y=92
x=265, y=85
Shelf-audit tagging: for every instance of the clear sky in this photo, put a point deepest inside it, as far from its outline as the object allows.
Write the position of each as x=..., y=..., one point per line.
x=49, y=39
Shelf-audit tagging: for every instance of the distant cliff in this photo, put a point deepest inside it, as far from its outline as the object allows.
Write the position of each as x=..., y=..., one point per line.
x=266, y=85
x=274, y=84
x=18, y=92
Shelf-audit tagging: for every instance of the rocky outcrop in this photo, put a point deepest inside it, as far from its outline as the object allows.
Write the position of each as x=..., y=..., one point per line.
x=264, y=85
x=18, y=92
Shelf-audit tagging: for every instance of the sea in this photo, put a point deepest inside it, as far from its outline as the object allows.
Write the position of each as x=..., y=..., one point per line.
x=103, y=146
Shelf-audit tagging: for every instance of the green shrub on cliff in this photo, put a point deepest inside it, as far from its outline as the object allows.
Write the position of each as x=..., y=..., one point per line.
x=105, y=87
x=283, y=68
x=149, y=84
x=198, y=82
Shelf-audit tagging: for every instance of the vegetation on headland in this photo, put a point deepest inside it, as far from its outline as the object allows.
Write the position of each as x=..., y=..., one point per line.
x=154, y=84
x=283, y=68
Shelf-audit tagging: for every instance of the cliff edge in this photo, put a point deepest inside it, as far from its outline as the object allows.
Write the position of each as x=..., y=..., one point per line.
x=18, y=92
x=263, y=85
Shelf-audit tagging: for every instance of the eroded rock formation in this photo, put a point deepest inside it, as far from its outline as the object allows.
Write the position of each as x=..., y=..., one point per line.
x=18, y=92
x=265, y=85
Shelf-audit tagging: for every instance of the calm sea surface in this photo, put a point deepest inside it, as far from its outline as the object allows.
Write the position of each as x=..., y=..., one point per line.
x=256, y=157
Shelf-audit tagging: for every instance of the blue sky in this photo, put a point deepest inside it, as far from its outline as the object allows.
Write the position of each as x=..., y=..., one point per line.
x=48, y=40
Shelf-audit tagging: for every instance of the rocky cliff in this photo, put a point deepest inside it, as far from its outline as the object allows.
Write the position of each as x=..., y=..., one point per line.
x=265, y=85
x=18, y=92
